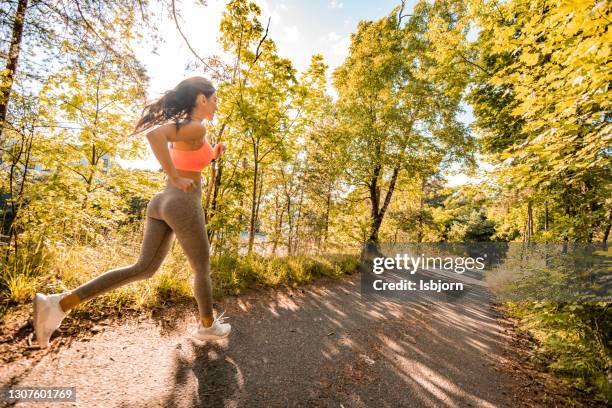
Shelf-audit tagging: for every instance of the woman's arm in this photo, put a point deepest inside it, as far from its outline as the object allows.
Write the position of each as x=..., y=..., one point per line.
x=159, y=145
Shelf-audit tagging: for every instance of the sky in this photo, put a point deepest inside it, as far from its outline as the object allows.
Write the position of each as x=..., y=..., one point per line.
x=299, y=29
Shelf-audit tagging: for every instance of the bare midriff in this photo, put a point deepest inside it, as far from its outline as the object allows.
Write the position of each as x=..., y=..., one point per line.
x=194, y=175
x=195, y=145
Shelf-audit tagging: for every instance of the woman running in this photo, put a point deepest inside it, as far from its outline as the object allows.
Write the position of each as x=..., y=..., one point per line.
x=177, y=210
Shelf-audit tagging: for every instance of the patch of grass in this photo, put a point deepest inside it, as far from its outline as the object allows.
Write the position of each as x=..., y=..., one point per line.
x=573, y=340
x=18, y=275
x=232, y=273
x=20, y=287
x=170, y=287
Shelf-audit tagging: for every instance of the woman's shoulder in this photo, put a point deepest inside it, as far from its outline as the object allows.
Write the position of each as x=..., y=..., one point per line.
x=190, y=125
x=185, y=130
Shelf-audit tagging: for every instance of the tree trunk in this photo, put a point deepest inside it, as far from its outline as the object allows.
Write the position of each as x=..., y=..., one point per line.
x=290, y=222
x=380, y=214
x=11, y=63
x=327, y=211
x=253, y=208
x=15, y=197
x=211, y=189
x=241, y=203
x=259, y=191
x=216, y=180
x=278, y=223
x=421, y=206
x=374, y=202
x=529, y=224
x=297, y=223
x=546, y=216
x=607, y=230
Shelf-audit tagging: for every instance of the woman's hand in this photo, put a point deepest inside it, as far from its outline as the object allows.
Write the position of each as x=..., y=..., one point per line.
x=183, y=183
x=222, y=148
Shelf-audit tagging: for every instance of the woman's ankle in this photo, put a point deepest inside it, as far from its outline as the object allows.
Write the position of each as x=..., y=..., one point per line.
x=70, y=301
x=206, y=321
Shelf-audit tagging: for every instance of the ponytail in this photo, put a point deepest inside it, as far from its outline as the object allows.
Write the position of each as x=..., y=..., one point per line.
x=175, y=104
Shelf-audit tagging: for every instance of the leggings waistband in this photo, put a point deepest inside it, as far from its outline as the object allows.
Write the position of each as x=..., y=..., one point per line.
x=170, y=188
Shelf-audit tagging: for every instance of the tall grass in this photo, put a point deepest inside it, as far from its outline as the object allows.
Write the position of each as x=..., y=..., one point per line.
x=60, y=267
x=233, y=273
x=19, y=274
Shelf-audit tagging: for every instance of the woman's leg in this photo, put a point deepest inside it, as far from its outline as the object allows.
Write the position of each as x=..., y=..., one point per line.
x=155, y=245
x=186, y=218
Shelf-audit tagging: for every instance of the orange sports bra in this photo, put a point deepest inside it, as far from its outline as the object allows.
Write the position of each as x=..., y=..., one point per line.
x=194, y=160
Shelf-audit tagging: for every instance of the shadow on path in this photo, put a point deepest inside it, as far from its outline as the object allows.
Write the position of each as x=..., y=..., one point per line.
x=319, y=345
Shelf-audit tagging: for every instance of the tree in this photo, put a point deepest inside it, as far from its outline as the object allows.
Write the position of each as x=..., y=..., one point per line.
x=398, y=103
x=542, y=103
x=45, y=28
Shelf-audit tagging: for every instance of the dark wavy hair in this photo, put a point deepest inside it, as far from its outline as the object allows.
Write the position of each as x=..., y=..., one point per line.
x=175, y=104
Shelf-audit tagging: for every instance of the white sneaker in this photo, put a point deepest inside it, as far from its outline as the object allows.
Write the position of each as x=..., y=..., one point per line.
x=216, y=331
x=48, y=316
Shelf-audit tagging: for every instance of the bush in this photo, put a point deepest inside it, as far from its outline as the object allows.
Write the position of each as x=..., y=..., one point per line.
x=573, y=340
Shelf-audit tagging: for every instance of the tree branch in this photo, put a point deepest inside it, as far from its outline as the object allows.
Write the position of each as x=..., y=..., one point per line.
x=193, y=51
x=257, y=53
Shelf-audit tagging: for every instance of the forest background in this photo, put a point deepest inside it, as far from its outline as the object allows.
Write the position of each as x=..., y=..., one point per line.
x=319, y=160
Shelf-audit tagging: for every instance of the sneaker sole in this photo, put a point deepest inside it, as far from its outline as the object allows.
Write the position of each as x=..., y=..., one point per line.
x=37, y=330
x=209, y=337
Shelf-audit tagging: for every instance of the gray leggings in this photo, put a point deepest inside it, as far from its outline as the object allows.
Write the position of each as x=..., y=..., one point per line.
x=170, y=212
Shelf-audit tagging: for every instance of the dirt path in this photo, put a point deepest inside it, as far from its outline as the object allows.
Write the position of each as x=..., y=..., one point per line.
x=322, y=345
